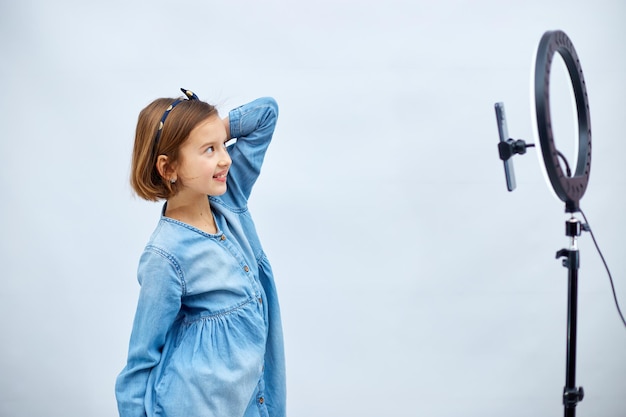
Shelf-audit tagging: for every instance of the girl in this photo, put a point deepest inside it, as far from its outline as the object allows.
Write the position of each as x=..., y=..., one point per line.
x=207, y=337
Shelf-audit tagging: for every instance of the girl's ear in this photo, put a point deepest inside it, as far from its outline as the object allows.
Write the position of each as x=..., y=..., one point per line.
x=166, y=170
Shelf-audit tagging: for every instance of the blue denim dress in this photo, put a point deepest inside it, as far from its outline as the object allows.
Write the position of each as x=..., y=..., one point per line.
x=207, y=337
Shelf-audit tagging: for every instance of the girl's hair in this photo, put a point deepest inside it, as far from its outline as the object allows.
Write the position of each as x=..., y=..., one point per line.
x=183, y=118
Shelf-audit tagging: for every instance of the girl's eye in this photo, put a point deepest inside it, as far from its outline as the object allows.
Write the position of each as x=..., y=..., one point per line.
x=210, y=149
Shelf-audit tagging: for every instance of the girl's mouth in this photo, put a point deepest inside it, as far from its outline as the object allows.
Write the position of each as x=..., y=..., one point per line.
x=221, y=176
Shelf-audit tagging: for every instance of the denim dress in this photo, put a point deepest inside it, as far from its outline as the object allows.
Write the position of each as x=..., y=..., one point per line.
x=207, y=337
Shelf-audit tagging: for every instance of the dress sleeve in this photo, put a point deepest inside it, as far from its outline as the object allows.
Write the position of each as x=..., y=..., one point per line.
x=158, y=306
x=253, y=125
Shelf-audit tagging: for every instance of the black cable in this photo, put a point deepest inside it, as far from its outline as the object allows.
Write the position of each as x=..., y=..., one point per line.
x=588, y=228
x=568, y=171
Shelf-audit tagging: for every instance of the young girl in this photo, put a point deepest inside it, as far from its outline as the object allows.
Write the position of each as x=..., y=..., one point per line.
x=207, y=337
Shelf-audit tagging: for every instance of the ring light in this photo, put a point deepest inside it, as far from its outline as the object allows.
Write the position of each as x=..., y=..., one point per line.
x=568, y=189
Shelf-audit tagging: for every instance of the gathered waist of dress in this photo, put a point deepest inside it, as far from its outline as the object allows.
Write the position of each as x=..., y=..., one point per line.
x=247, y=305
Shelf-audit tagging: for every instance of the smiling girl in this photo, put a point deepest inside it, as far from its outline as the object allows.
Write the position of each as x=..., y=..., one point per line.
x=207, y=337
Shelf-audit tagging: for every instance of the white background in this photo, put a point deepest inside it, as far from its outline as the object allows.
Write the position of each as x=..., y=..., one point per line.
x=411, y=282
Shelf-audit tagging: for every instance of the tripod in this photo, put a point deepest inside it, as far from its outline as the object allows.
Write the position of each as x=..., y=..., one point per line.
x=571, y=394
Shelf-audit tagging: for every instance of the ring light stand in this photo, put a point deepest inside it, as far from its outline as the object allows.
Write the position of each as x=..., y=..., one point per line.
x=568, y=188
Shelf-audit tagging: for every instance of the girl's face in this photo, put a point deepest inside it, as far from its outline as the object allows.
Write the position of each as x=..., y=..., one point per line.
x=203, y=160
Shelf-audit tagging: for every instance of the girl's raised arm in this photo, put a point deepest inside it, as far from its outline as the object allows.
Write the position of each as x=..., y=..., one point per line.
x=253, y=125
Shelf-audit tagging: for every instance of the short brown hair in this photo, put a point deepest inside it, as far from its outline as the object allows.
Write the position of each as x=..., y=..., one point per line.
x=186, y=115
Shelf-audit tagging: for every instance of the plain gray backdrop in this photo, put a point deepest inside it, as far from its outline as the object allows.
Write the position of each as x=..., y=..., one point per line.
x=411, y=282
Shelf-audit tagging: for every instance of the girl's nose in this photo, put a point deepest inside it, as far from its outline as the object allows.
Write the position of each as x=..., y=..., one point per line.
x=224, y=159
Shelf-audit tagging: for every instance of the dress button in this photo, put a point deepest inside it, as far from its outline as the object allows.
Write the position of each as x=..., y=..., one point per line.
x=260, y=300
x=245, y=268
x=261, y=400
x=223, y=237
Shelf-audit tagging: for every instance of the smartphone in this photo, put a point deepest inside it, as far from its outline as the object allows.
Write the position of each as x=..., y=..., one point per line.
x=509, y=173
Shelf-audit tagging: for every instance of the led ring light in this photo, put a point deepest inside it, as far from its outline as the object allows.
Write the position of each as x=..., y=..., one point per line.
x=568, y=189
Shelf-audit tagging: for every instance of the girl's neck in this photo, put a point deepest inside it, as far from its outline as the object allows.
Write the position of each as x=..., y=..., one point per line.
x=195, y=212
